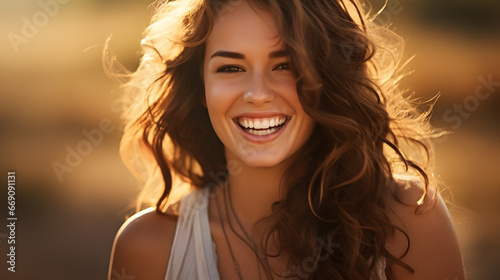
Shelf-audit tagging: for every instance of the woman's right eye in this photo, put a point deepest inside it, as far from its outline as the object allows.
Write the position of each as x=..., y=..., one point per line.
x=229, y=69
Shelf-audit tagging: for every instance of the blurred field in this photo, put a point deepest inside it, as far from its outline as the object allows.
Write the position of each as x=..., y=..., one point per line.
x=53, y=88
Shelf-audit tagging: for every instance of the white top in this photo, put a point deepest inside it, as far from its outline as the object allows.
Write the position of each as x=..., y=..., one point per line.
x=192, y=255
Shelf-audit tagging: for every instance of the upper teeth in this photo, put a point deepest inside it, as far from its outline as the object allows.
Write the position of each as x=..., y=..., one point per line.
x=263, y=123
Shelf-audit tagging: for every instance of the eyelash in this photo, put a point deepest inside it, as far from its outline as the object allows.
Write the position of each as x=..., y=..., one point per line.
x=229, y=69
x=284, y=66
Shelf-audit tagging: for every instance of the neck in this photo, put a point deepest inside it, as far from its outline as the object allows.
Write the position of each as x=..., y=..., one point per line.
x=253, y=190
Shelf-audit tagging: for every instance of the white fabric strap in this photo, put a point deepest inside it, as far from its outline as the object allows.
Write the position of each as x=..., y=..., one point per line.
x=192, y=255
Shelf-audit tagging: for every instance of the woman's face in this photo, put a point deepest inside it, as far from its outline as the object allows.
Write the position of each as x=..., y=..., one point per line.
x=250, y=91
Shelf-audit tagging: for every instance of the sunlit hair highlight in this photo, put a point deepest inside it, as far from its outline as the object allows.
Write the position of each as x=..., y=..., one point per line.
x=368, y=133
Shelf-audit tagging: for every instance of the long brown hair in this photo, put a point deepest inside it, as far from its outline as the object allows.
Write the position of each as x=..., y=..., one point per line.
x=367, y=129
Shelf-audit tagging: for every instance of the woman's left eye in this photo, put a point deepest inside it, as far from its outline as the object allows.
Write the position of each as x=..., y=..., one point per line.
x=282, y=66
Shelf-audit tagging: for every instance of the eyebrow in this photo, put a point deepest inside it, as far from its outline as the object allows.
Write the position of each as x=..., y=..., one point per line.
x=228, y=54
x=236, y=55
x=280, y=53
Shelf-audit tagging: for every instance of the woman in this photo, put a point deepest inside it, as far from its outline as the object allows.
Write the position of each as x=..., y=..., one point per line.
x=304, y=160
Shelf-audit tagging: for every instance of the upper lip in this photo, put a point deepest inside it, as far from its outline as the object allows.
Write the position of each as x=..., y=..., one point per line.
x=260, y=115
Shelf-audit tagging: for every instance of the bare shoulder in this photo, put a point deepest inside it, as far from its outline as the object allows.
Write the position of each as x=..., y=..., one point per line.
x=434, y=252
x=142, y=246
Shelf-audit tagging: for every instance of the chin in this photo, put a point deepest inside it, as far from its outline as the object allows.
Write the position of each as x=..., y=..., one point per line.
x=258, y=160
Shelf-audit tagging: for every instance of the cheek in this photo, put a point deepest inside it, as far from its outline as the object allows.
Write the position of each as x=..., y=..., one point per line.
x=220, y=95
x=219, y=99
x=289, y=94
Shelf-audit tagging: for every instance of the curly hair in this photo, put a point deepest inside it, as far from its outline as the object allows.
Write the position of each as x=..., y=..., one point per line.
x=367, y=128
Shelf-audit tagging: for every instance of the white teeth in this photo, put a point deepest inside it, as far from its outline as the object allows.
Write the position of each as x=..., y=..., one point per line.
x=265, y=124
x=261, y=123
x=262, y=132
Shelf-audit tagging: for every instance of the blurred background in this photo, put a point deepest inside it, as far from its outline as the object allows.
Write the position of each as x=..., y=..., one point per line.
x=60, y=130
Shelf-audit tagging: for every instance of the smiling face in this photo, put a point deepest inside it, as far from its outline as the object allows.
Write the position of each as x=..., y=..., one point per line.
x=250, y=90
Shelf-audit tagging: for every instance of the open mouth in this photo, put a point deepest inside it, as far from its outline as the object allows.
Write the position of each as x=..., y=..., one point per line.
x=262, y=126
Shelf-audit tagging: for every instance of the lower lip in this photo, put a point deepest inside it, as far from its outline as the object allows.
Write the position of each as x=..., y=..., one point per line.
x=262, y=138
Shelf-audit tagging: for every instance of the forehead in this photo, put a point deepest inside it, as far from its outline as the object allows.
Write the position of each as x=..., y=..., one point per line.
x=239, y=25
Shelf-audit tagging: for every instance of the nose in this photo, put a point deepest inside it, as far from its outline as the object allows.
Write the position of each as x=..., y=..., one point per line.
x=258, y=91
